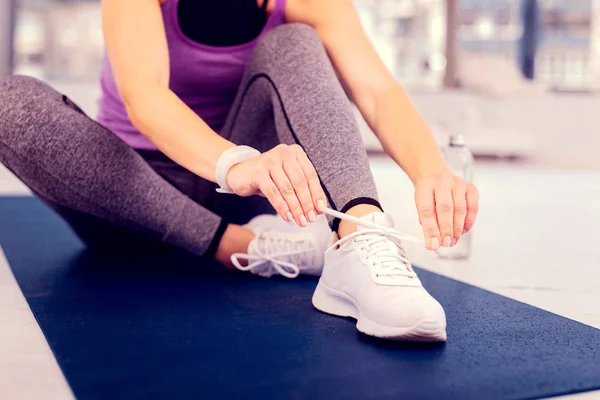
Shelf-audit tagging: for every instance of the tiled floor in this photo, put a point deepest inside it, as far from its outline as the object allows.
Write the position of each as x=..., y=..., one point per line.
x=535, y=241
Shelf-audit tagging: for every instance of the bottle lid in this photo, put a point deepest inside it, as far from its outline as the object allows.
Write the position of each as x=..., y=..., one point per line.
x=457, y=140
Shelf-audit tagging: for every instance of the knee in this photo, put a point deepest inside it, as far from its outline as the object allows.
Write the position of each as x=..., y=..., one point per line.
x=291, y=45
x=292, y=35
x=22, y=98
x=15, y=90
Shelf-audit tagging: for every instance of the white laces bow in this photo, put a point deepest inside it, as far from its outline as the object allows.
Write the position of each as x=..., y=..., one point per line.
x=282, y=252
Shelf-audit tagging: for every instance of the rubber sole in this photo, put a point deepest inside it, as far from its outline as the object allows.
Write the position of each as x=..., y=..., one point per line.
x=333, y=302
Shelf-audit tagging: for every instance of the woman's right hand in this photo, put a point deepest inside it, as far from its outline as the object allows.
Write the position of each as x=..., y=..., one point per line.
x=287, y=178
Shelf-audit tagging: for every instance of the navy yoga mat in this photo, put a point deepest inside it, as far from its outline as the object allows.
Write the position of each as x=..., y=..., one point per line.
x=169, y=325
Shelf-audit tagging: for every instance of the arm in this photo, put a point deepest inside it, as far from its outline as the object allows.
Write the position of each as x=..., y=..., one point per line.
x=137, y=47
x=441, y=198
x=381, y=100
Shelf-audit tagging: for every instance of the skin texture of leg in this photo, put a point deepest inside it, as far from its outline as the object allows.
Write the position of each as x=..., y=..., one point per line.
x=358, y=211
x=235, y=240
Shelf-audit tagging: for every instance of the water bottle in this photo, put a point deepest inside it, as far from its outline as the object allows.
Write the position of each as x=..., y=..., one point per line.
x=460, y=160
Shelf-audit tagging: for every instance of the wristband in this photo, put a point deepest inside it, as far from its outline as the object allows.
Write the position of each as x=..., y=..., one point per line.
x=228, y=159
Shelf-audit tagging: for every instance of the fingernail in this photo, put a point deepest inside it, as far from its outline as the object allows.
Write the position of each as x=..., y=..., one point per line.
x=435, y=243
x=454, y=242
x=321, y=205
x=447, y=241
x=289, y=217
x=465, y=231
x=303, y=221
x=312, y=217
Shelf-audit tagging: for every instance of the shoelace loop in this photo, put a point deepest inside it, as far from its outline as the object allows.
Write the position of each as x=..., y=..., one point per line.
x=272, y=251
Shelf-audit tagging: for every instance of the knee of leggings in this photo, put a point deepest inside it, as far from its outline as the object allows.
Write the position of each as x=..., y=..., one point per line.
x=18, y=88
x=22, y=99
x=293, y=33
x=291, y=45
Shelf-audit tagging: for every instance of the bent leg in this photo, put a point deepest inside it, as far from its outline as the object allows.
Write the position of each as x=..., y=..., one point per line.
x=103, y=188
x=290, y=94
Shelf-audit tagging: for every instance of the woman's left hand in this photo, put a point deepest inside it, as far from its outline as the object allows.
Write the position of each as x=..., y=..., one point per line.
x=447, y=207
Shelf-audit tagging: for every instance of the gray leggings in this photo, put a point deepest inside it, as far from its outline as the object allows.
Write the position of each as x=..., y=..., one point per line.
x=114, y=197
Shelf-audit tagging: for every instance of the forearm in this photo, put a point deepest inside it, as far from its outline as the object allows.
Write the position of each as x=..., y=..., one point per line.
x=176, y=130
x=405, y=135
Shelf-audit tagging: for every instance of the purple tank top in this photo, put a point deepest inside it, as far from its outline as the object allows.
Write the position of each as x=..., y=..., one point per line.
x=206, y=78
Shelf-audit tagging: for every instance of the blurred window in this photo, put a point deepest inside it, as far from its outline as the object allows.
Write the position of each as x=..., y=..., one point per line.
x=59, y=40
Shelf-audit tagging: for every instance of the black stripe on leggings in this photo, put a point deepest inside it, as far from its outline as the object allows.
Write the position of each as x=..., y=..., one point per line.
x=353, y=203
x=214, y=244
x=287, y=121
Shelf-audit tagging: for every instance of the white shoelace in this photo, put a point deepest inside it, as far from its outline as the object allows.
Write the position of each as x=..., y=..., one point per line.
x=380, y=242
x=382, y=245
x=271, y=252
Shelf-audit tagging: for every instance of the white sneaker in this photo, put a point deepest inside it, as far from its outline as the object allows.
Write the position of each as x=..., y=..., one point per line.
x=367, y=277
x=284, y=248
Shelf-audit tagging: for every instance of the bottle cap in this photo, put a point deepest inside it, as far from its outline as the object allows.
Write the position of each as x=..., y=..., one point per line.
x=457, y=140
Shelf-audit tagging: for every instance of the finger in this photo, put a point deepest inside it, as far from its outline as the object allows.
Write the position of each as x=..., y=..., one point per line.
x=288, y=194
x=424, y=197
x=472, y=198
x=314, y=183
x=270, y=190
x=459, y=193
x=444, y=207
x=300, y=183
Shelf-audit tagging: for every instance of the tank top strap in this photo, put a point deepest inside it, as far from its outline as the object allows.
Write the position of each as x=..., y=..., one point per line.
x=278, y=14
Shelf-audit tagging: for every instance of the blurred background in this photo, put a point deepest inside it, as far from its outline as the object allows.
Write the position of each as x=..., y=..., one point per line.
x=519, y=78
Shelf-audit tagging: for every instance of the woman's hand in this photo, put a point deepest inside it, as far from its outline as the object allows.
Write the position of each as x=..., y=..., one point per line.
x=447, y=208
x=287, y=178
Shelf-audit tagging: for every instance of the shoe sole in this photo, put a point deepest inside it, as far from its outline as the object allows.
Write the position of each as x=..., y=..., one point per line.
x=336, y=303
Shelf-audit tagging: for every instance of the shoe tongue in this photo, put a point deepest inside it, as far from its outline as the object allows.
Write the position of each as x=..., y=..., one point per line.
x=378, y=218
x=383, y=219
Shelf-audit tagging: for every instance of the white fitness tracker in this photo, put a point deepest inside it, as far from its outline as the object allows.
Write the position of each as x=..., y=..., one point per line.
x=228, y=159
